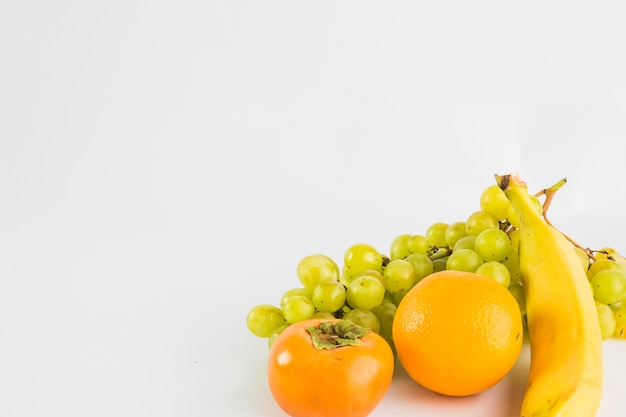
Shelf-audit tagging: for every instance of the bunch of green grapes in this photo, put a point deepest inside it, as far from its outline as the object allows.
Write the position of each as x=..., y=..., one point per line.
x=606, y=271
x=370, y=285
x=362, y=291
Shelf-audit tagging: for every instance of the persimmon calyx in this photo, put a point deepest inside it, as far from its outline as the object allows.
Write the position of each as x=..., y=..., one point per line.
x=329, y=335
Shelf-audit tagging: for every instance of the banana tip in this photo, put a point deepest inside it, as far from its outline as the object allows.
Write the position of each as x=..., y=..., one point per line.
x=504, y=180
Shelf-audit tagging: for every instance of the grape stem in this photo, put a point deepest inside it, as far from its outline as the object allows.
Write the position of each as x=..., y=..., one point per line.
x=549, y=194
x=440, y=252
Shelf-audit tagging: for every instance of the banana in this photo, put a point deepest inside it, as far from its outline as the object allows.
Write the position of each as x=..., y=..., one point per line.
x=566, y=364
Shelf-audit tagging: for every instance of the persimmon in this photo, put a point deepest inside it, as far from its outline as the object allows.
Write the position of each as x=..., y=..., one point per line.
x=329, y=368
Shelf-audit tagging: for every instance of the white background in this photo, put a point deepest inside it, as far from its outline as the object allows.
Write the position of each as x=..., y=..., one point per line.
x=164, y=165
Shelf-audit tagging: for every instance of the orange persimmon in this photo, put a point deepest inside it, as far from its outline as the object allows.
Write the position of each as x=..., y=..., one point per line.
x=329, y=368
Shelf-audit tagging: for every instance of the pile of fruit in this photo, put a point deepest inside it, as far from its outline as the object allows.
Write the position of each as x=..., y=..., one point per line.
x=574, y=294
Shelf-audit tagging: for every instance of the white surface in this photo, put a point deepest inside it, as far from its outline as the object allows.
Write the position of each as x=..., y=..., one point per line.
x=164, y=165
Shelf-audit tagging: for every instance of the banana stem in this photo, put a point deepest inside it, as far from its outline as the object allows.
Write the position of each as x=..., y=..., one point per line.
x=549, y=194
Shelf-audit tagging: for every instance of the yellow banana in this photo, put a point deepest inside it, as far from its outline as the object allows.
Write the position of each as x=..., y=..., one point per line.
x=566, y=369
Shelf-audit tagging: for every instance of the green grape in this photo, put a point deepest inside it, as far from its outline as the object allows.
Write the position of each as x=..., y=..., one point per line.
x=464, y=260
x=346, y=276
x=620, y=321
x=601, y=265
x=275, y=333
x=418, y=244
x=611, y=253
x=496, y=271
x=399, y=248
x=399, y=276
x=361, y=257
x=363, y=318
x=436, y=234
x=512, y=217
x=479, y=221
x=422, y=266
x=298, y=308
x=512, y=264
x=440, y=264
x=495, y=202
x=325, y=315
x=454, y=232
x=492, y=245
x=517, y=290
x=262, y=319
x=467, y=242
x=365, y=292
x=397, y=297
x=385, y=313
x=606, y=319
x=305, y=292
x=313, y=269
x=609, y=286
x=373, y=273
x=329, y=296
x=584, y=259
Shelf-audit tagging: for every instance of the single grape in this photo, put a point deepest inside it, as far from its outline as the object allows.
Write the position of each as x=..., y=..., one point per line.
x=363, y=318
x=275, y=333
x=620, y=321
x=606, y=253
x=517, y=290
x=385, y=314
x=480, y=220
x=464, y=260
x=454, y=232
x=422, y=266
x=606, y=319
x=399, y=248
x=346, y=276
x=601, y=265
x=399, y=276
x=495, y=201
x=418, y=244
x=323, y=315
x=609, y=286
x=611, y=253
x=262, y=319
x=496, y=271
x=361, y=257
x=313, y=269
x=492, y=245
x=467, y=242
x=329, y=296
x=583, y=258
x=365, y=292
x=436, y=234
x=512, y=217
x=373, y=273
x=305, y=292
x=512, y=263
x=440, y=264
x=298, y=308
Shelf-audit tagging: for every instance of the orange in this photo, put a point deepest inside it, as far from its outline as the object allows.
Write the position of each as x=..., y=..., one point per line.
x=458, y=333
